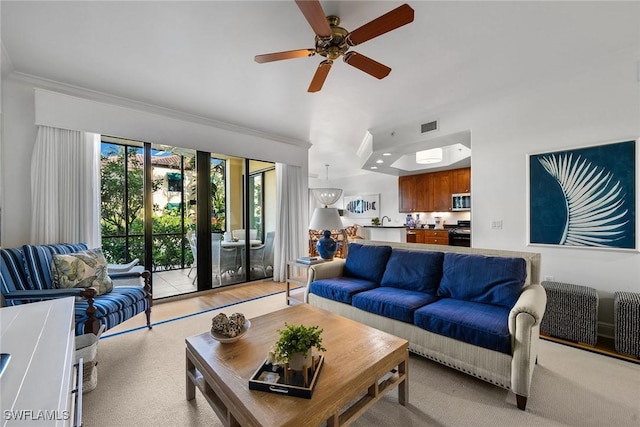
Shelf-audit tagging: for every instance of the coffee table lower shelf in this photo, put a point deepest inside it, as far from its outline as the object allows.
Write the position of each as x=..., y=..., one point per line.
x=374, y=393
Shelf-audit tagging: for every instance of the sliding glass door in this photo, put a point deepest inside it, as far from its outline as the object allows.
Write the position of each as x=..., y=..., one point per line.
x=211, y=215
x=122, y=200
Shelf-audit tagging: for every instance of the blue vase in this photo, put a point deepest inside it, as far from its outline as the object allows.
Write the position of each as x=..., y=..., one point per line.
x=326, y=246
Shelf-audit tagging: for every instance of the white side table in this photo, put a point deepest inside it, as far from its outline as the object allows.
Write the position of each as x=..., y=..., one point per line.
x=297, y=273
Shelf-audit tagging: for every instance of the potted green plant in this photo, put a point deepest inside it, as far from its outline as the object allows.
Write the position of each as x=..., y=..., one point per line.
x=295, y=344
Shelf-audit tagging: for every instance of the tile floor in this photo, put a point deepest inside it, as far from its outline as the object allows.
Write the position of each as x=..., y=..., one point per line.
x=173, y=282
x=178, y=282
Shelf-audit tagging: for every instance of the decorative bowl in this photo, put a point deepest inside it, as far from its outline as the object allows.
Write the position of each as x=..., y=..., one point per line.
x=226, y=340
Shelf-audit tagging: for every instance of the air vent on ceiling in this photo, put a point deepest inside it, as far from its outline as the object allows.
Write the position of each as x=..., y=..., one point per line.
x=429, y=127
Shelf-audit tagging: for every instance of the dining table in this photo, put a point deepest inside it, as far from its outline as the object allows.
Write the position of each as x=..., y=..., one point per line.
x=238, y=243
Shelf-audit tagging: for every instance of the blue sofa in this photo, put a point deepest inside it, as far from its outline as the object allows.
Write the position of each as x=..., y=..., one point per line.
x=474, y=310
x=26, y=276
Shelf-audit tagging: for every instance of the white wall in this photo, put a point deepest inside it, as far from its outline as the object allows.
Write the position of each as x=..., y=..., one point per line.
x=88, y=111
x=600, y=105
x=18, y=138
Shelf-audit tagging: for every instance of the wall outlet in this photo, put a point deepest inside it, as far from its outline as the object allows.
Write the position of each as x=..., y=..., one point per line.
x=496, y=224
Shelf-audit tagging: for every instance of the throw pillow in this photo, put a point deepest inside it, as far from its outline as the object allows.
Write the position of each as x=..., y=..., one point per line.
x=366, y=262
x=479, y=278
x=84, y=269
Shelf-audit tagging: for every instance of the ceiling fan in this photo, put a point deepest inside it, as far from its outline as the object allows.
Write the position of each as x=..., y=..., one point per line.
x=333, y=41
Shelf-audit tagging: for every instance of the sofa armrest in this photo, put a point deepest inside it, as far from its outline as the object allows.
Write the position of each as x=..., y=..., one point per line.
x=524, y=327
x=46, y=294
x=533, y=301
x=323, y=270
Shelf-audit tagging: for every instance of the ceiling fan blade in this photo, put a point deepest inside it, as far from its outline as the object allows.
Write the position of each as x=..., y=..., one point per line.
x=312, y=11
x=398, y=17
x=367, y=65
x=289, y=54
x=320, y=76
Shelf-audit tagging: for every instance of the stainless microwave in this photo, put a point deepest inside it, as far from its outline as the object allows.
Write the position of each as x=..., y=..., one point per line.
x=461, y=202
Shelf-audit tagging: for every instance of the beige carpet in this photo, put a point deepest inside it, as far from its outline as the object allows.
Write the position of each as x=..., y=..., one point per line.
x=141, y=382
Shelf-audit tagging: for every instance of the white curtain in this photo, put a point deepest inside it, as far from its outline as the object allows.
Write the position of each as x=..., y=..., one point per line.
x=292, y=226
x=65, y=187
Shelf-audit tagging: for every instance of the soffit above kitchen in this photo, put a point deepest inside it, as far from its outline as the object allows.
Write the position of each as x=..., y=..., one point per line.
x=393, y=150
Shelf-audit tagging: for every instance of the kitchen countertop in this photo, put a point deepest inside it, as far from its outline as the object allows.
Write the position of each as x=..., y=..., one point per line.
x=384, y=226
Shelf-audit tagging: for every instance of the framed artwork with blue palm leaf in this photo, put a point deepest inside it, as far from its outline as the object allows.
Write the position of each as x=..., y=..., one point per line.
x=584, y=197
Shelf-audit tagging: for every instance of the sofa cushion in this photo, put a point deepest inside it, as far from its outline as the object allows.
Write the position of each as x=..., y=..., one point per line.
x=483, y=325
x=414, y=270
x=366, y=262
x=82, y=269
x=340, y=288
x=394, y=303
x=479, y=278
x=38, y=262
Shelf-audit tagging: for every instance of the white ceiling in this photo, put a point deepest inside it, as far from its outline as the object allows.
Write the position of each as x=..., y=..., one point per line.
x=197, y=57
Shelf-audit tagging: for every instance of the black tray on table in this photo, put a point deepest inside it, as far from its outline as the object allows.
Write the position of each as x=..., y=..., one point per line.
x=267, y=379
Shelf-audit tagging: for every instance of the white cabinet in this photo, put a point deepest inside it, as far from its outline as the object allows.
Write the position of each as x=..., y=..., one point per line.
x=38, y=382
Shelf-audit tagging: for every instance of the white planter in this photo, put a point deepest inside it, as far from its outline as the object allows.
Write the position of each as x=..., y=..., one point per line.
x=297, y=361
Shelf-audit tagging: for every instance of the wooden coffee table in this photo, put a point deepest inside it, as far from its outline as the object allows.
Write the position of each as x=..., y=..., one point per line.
x=361, y=365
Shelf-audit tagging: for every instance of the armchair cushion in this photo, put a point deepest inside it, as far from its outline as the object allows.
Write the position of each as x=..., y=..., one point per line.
x=82, y=270
x=12, y=274
x=113, y=308
x=38, y=262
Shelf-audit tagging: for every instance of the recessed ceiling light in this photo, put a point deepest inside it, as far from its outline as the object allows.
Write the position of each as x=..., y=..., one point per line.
x=379, y=161
x=374, y=167
x=386, y=154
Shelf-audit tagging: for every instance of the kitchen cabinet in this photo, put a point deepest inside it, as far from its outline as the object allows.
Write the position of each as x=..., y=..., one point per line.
x=431, y=192
x=441, y=191
x=430, y=236
x=461, y=180
x=436, y=237
x=414, y=193
x=419, y=235
x=407, y=193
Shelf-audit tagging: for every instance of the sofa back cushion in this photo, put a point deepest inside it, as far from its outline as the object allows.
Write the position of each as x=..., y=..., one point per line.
x=479, y=278
x=38, y=262
x=366, y=262
x=414, y=270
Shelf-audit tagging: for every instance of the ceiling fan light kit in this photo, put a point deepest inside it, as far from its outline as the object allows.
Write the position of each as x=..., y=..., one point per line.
x=333, y=41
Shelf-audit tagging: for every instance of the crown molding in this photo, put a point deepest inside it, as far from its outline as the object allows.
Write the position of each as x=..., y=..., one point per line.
x=93, y=95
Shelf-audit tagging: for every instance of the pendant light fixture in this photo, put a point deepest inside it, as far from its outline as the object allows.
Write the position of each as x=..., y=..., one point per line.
x=327, y=195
